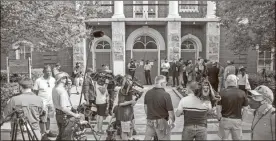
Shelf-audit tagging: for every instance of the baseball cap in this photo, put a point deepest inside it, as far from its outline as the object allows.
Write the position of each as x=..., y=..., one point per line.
x=232, y=80
x=61, y=75
x=262, y=92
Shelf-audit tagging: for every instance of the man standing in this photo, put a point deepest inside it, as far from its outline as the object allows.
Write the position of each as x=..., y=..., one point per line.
x=181, y=65
x=63, y=106
x=165, y=66
x=159, y=111
x=125, y=109
x=263, y=124
x=77, y=75
x=195, y=114
x=213, y=76
x=56, y=69
x=229, y=69
x=30, y=104
x=175, y=72
x=132, y=68
x=43, y=87
x=147, y=69
x=229, y=109
x=89, y=92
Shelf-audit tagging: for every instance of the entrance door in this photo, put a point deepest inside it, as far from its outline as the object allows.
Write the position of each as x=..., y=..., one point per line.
x=141, y=58
x=188, y=51
x=145, y=48
x=103, y=55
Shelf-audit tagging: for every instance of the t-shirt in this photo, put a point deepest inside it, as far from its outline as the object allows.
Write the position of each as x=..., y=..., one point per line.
x=45, y=87
x=165, y=67
x=61, y=98
x=232, y=101
x=158, y=103
x=194, y=110
x=101, y=92
x=125, y=113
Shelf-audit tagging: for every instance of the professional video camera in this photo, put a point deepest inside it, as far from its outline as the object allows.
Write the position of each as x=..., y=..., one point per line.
x=128, y=88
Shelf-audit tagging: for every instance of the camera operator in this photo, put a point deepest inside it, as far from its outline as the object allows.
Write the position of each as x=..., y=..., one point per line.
x=111, y=89
x=30, y=104
x=88, y=89
x=63, y=104
x=125, y=109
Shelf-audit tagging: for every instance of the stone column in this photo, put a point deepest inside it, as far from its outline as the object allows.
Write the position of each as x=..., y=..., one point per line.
x=173, y=9
x=173, y=41
x=212, y=41
x=211, y=9
x=118, y=9
x=79, y=53
x=118, y=47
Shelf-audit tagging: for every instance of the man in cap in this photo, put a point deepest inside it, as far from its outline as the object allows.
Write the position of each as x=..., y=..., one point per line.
x=63, y=105
x=229, y=109
x=263, y=124
x=229, y=69
x=30, y=104
x=43, y=87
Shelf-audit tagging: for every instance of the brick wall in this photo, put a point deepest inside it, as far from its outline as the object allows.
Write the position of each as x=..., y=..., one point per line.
x=198, y=31
x=128, y=10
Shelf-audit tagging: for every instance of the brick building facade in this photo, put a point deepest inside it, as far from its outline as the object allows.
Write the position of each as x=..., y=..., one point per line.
x=154, y=30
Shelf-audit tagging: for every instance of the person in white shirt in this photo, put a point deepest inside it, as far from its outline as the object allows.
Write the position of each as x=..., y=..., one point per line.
x=165, y=69
x=43, y=87
x=243, y=82
x=63, y=106
x=147, y=68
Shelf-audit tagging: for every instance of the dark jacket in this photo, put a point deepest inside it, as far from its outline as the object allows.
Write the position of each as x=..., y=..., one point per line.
x=175, y=67
x=213, y=74
x=88, y=89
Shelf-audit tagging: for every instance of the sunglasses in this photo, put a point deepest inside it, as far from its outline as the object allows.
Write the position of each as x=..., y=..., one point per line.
x=48, y=83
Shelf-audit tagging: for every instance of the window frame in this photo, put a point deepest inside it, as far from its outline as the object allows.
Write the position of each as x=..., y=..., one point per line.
x=145, y=43
x=189, y=50
x=145, y=13
x=264, y=65
x=103, y=49
x=196, y=10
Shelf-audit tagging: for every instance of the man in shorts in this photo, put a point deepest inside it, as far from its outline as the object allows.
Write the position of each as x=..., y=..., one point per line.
x=43, y=87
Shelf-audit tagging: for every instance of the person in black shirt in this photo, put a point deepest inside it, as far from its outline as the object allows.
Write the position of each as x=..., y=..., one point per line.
x=213, y=76
x=159, y=111
x=175, y=72
x=132, y=68
x=229, y=109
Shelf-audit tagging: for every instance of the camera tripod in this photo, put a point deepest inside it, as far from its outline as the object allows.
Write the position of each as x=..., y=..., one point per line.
x=22, y=122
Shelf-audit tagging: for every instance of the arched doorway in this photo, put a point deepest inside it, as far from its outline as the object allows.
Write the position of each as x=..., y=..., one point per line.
x=102, y=53
x=190, y=47
x=145, y=44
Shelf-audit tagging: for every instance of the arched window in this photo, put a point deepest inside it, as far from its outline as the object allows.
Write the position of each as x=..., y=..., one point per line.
x=103, y=45
x=187, y=45
x=144, y=42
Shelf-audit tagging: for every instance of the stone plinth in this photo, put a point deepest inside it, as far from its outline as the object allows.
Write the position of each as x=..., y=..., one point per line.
x=174, y=41
x=212, y=41
x=118, y=47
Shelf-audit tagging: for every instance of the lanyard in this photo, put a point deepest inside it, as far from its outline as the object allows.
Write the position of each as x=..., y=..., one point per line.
x=253, y=126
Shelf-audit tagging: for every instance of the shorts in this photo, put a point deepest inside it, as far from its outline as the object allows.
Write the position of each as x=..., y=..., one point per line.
x=101, y=108
x=126, y=126
x=49, y=112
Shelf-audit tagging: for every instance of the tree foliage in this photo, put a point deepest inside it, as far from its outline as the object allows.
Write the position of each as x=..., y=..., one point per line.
x=247, y=23
x=48, y=25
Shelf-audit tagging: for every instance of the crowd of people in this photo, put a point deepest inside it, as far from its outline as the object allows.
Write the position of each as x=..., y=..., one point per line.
x=210, y=89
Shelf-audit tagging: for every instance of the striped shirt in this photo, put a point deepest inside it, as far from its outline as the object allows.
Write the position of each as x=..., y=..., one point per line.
x=195, y=110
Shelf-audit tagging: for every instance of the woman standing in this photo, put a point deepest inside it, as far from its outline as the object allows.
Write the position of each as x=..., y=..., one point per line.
x=243, y=82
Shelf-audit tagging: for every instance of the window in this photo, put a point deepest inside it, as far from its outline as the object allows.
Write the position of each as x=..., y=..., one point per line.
x=188, y=45
x=145, y=11
x=188, y=8
x=265, y=60
x=103, y=45
x=144, y=42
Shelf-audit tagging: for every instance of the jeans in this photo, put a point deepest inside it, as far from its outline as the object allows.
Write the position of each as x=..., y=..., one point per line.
x=233, y=126
x=191, y=132
x=175, y=77
x=148, y=77
x=158, y=127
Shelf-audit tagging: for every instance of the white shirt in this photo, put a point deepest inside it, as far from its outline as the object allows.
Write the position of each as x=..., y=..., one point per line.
x=61, y=98
x=101, y=97
x=165, y=67
x=242, y=79
x=44, y=88
x=147, y=67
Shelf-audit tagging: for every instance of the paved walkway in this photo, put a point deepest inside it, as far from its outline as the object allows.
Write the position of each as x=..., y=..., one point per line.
x=140, y=121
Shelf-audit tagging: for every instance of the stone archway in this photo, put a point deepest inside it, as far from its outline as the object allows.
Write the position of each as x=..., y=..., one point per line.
x=194, y=51
x=146, y=31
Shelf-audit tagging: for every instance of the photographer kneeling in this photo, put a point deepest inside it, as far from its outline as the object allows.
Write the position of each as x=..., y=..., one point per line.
x=31, y=107
x=62, y=103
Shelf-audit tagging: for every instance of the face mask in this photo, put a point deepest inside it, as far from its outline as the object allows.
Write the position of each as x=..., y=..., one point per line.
x=254, y=104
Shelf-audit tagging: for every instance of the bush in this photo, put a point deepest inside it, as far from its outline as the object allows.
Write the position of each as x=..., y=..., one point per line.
x=8, y=90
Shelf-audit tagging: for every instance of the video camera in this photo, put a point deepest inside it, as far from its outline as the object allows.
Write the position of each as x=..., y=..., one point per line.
x=127, y=88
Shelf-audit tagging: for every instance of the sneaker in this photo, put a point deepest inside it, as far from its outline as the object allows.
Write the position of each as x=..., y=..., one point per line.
x=51, y=134
x=134, y=132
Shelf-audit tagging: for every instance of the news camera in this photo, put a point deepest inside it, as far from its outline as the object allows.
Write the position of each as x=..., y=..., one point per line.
x=128, y=87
